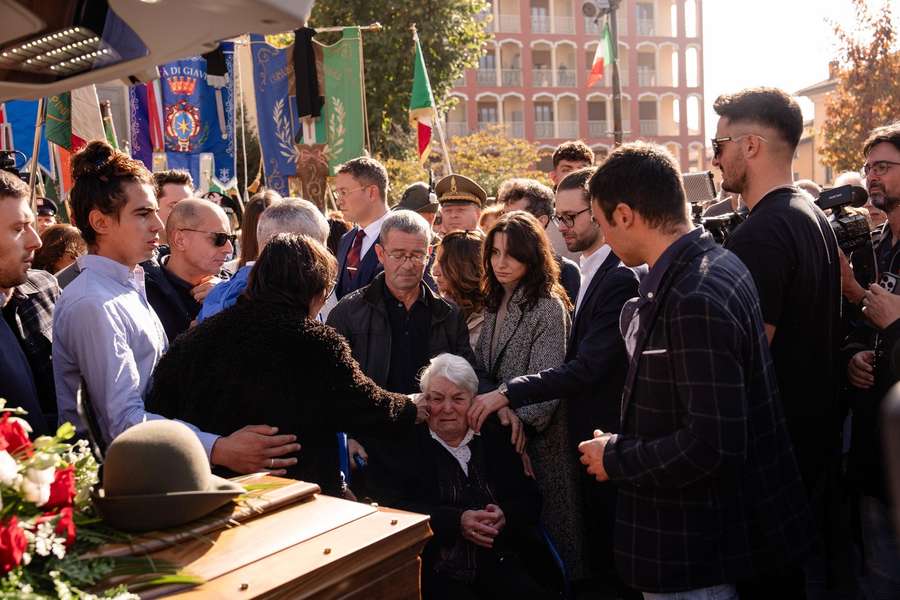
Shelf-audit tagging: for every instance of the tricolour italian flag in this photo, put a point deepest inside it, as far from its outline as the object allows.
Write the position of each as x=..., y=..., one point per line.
x=73, y=118
x=421, y=104
x=603, y=57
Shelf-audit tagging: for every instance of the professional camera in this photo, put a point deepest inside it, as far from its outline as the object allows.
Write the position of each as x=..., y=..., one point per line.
x=8, y=164
x=701, y=189
x=851, y=230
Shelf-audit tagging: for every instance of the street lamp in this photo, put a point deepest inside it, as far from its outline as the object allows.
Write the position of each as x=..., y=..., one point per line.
x=596, y=9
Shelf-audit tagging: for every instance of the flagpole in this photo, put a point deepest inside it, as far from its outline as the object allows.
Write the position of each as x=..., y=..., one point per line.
x=435, y=116
x=35, y=148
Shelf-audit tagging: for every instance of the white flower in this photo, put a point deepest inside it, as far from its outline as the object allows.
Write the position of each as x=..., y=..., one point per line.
x=23, y=423
x=46, y=542
x=38, y=493
x=8, y=468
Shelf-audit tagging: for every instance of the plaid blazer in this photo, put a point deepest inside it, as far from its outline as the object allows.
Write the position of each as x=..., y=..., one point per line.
x=709, y=489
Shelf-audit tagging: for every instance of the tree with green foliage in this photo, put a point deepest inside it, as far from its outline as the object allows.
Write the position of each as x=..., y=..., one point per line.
x=452, y=33
x=490, y=157
x=867, y=93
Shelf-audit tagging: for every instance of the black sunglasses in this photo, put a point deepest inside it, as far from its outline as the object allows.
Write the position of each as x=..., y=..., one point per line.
x=219, y=237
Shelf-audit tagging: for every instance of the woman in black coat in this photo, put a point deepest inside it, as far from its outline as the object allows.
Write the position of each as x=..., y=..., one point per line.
x=267, y=360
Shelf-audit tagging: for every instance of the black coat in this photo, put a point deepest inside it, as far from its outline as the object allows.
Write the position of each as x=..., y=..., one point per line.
x=362, y=318
x=709, y=491
x=261, y=363
x=404, y=473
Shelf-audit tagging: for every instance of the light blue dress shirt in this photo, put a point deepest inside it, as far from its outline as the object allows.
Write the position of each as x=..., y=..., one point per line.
x=105, y=331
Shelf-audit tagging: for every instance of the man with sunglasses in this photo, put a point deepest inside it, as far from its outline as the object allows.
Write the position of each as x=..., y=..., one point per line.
x=200, y=241
x=790, y=250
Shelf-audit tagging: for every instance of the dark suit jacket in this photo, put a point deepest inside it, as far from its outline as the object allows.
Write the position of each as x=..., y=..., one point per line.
x=709, y=489
x=369, y=266
x=569, y=277
x=593, y=373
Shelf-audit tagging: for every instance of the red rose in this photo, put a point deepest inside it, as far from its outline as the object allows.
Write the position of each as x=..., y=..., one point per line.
x=62, y=490
x=12, y=545
x=15, y=437
x=65, y=527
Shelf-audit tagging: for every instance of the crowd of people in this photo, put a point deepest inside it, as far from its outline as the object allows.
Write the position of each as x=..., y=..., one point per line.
x=666, y=418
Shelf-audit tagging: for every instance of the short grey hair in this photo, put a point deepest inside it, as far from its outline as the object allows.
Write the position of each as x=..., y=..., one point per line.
x=292, y=215
x=407, y=221
x=454, y=369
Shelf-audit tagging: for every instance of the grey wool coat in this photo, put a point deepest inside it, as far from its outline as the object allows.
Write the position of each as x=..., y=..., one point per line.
x=531, y=341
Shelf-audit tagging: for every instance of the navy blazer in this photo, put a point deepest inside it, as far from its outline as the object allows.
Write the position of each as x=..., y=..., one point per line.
x=592, y=376
x=369, y=266
x=709, y=491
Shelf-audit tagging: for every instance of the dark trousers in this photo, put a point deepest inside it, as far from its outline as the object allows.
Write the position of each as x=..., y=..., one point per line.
x=505, y=578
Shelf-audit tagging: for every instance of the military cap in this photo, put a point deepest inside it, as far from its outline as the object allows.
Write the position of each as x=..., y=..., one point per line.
x=417, y=197
x=457, y=189
x=46, y=207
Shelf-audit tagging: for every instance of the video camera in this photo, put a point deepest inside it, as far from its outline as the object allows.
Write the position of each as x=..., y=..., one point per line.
x=8, y=164
x=700, y=189
x=851, y=230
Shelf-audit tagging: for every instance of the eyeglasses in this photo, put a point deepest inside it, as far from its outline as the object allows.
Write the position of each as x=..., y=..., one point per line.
x=219, y=237
x=416, y=259
x=717, y=142
x=879, y=167
x=341, y=192
x=568, y=220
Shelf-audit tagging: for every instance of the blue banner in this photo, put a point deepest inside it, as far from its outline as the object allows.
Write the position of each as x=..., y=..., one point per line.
x=190, y=119
x=22, y=114
x=276, y=108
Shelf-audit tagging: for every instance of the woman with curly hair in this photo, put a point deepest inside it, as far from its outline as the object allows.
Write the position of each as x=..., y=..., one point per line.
x=458, y=270
x=525, y=330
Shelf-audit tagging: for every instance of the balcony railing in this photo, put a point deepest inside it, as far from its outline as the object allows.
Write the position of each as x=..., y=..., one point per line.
x=482, y=125
x=511, y=77
x=646, y=77
x=564, y=25
x=623, y=75
x=565, y=78
x=457, y=128
x=510, y=24
x=514, y=129
x=598, y=128
x=646, y=27
x=540, y=24
x=544, y=129
x=461, y=82
x=621, y=23
x=591, y=26
x=541, y=78
x=567, y=129
x=487, y=77
x=488, y=20
x=649, y=127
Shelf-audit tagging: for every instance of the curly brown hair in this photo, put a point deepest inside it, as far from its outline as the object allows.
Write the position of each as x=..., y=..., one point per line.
x=459, y=257
x=249, y=244
x=527, y=242
x=100, y=173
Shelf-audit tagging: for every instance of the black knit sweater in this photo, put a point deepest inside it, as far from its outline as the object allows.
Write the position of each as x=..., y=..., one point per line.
x=265, y=363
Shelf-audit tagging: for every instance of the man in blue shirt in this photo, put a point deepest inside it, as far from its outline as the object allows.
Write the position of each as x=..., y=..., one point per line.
x=104, y=330
x=18, y=241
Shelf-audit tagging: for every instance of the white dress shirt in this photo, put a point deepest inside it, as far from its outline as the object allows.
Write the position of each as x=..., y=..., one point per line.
x=373, y=230
x=589, y=266
x=105, y=331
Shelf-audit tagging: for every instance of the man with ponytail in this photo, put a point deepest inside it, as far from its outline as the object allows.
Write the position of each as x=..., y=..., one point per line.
x=105, y=331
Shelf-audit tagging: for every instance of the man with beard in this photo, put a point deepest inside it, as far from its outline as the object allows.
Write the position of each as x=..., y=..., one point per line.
x=869, y=372
x=790, y=250
x=592, y=377
x=18, y=241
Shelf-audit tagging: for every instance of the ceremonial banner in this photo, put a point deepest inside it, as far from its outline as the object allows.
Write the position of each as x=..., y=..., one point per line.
x=345, y=107
x=340, y=134
x=189, y=118
x=73, y=118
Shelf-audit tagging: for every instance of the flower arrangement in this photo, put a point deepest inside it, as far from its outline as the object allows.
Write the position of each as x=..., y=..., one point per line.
x=47, y=521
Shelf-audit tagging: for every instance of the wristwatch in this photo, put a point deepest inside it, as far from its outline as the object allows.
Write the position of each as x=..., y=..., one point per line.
x=502, y=388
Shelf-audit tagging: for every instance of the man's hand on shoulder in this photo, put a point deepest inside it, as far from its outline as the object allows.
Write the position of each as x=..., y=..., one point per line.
x=255, y=448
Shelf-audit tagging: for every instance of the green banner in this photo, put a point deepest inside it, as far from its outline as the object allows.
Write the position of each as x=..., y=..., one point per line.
x=59, y=120
x=344, y=112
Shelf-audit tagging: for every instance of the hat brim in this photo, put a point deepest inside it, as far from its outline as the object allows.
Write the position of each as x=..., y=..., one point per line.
x=148, y=512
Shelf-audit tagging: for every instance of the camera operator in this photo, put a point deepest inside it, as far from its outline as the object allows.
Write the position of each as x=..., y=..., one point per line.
x=871, y=370
x=788, y=246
